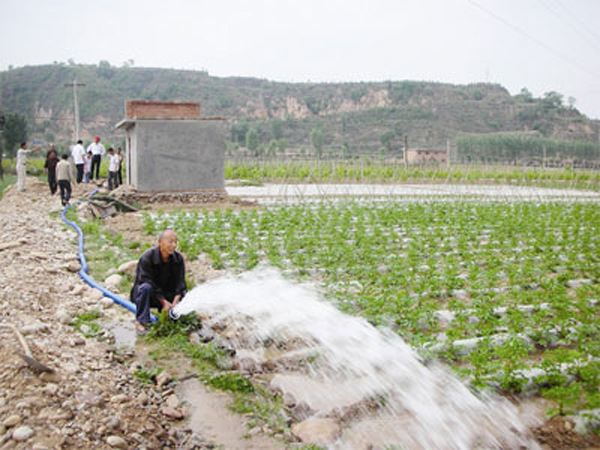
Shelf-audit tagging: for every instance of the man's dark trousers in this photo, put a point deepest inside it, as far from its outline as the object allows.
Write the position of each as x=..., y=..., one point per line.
x=144, y=299
x=96, y=159
x=79, y=172
x=65, y=191
x=52, y=181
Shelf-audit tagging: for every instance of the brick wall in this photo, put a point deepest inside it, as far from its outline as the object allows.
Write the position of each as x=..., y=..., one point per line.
x=149, y=109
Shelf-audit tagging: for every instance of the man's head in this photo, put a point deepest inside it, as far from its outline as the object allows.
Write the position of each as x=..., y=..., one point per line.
x=111, y=151
x=65, y=156
x=80, y=142
x=23, y=145
x=167, y=243
x=97, y=139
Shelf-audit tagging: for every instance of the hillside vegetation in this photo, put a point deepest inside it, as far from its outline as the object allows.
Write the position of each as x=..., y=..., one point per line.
x=344, y=119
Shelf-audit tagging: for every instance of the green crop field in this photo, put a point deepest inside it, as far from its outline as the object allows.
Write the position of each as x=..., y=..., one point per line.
x=505, y=293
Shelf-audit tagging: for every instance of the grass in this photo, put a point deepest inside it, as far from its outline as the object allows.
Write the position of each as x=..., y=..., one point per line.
x=6, y=182
x=86, y=323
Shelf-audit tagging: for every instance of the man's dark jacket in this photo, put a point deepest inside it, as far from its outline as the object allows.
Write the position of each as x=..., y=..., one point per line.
x=167, y=279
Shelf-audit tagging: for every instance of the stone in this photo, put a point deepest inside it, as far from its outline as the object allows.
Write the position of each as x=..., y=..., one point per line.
x=142, y=399
x=317, y=431
x=106, y=302
x=79, y=289
x=119, y=398
x=73, y=267
x=205, y=334
x=172, y=413
x=34, y=328
x=89, y=398
x=163, y=378
x=93, y=296
x=172, y=401
x=64, y=317
x=113, y=281
x=574, y=284
x=116, y=442
x=11, y=421
x=22, y=433
x=128, y=268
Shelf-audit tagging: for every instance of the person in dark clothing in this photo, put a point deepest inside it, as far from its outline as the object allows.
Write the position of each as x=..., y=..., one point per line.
x=50, y=167
x=159, y=279
x=120, y=171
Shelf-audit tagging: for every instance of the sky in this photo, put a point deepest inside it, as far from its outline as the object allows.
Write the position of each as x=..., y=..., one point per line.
x=543, y=45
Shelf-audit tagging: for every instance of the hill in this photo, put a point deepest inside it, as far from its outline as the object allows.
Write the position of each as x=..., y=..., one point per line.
x=348, y=118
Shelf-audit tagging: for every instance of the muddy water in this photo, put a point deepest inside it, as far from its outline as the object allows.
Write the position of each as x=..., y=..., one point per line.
x=341, y=367
x=210, y=418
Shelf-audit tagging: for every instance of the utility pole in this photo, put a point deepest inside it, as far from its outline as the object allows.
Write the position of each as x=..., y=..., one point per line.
x=74, y=85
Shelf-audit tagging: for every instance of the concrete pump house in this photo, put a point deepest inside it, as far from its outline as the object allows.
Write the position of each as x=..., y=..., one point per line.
x=171, y=147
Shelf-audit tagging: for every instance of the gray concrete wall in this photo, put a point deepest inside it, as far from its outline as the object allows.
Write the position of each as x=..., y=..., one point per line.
x=178, y=155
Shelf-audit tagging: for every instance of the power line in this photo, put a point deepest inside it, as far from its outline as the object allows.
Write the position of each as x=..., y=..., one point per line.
x=570, y=24
x=590, y=31
x=519, y=30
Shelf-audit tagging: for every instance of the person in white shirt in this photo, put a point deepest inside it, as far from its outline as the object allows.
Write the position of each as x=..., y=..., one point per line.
x=113, y=169
x=78, y=154
x=98, y=151
x=22, y=165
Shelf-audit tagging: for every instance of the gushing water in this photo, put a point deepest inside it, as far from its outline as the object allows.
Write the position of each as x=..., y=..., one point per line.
x=368, y=379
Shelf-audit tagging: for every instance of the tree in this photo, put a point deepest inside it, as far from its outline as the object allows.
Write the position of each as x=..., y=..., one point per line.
x=252, y=140
x=317, y=139
x=15, y=132
x=386, y=140
x=277, y=129
x=525, y=95
x=553, y=99
x=105, y=70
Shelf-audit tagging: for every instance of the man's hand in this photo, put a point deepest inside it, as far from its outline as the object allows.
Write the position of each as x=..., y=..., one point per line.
x=176, y=300
x=164, y=303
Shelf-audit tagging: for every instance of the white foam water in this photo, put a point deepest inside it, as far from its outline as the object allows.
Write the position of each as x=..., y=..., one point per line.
x=421, y=406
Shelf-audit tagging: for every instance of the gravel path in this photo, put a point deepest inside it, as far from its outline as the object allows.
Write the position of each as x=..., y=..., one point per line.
x=92, y=400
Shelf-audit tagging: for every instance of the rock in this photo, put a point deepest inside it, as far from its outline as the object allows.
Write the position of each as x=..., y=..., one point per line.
x=89, y=398
x=77, y=340
x=11, y=421
x=94, y=295
x=116, y=442
x=113, y=281
x=34, y=328
x=73, y=267
x=317, y=431
x=173, y=401
x=568, y=425
x=578, y=283
x=142, y=399
x=119, y=398
x=383, y=269
x=106, y=302
x=128, y=268
x=163, y=378
x=64, y=317
x=205, y=334
x=172, y=413
x=79, y=289
x=22, y=433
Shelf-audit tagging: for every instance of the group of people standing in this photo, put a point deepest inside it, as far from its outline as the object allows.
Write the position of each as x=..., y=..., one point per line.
x=87, y=164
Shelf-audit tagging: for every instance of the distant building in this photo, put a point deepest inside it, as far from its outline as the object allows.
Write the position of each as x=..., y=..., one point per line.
x=171, y=147
x=424, y=155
